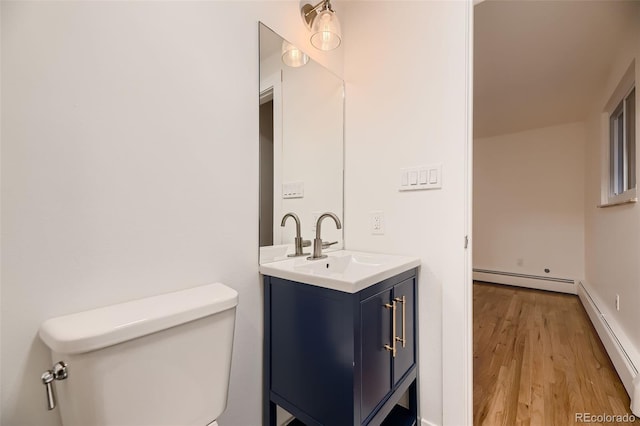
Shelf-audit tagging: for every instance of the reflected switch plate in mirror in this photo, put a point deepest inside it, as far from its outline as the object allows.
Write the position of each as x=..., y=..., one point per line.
x=293, y=190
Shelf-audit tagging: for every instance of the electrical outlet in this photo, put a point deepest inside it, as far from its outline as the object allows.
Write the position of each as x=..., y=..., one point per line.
x=617, y=302
x=377, y=222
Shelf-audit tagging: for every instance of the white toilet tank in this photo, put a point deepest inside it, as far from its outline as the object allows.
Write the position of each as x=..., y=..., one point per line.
x=159, y=361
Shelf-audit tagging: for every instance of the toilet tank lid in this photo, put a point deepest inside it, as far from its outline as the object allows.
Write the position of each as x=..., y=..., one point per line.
x=98, y=328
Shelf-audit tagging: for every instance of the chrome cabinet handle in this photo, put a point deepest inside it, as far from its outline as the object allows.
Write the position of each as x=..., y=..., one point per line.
x=392, y=347
x=404, y=320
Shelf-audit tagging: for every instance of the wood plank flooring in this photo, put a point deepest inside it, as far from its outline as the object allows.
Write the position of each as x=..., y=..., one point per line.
x=537, y=360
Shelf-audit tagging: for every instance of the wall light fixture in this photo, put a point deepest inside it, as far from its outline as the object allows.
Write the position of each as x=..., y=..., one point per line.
x=324, y=25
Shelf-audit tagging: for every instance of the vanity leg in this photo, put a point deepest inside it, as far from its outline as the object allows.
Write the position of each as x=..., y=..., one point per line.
x=413, y=400
x=269, y=414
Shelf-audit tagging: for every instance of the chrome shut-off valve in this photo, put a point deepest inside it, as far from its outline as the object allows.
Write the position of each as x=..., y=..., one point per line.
x=58, y=372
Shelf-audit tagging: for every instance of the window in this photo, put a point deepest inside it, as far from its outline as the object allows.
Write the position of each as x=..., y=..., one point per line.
x=622, y=146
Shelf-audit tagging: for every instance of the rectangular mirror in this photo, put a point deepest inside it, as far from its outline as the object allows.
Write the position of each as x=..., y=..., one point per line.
x=301, y=148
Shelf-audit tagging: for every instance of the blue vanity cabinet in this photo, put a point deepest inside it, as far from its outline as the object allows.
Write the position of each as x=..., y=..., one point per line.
x=328, y=354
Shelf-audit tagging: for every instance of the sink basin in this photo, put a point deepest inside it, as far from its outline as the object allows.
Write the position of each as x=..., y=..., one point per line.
x=343, y=264
x=343, y=270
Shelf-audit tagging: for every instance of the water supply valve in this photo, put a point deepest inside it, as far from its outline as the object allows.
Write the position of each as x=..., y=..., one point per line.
x=58, y=372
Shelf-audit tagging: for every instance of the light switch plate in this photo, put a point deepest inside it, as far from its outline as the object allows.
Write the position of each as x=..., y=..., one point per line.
x=293, y=190
x=421, y=177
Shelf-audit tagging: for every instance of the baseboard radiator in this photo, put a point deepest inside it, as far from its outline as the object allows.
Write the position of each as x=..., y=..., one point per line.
x=625, y=366
x=540, y=282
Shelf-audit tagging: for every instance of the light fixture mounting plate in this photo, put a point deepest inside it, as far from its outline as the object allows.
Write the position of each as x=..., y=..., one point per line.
x=309, y=12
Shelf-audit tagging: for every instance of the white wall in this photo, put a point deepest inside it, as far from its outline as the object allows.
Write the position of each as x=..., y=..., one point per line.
x=529, y=202
x=406, y=106
x=612, y=235
x=123, y=124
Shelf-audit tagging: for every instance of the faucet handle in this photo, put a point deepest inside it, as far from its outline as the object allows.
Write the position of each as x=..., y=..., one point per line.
x=327, y=244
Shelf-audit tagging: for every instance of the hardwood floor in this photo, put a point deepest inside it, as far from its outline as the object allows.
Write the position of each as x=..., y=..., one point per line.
x=538, y=361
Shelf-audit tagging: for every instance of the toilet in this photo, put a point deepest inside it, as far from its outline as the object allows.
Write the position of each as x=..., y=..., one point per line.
x=160, y=361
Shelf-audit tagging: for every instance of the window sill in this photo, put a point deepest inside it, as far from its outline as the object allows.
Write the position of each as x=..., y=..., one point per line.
x=618, y=203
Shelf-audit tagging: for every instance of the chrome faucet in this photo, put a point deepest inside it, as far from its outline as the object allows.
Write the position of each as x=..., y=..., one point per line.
x=317, y=242
x=299, y=242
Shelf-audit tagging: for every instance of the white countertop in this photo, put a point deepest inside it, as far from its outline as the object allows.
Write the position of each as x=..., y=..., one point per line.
x=343, y=270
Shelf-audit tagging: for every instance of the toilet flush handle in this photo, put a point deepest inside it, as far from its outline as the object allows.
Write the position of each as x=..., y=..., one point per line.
x=47, y=378
x=58, y=372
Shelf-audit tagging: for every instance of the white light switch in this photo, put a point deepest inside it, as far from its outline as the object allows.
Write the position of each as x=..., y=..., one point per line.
x=423, y=176
x=404, y=178
x=413, y=177
x=433, y=176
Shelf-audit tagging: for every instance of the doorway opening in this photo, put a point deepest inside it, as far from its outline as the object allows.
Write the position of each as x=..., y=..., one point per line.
x=547, y=267
x=266, y=168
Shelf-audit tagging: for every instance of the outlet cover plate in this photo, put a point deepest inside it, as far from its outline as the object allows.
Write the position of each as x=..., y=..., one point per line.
x=376, y=222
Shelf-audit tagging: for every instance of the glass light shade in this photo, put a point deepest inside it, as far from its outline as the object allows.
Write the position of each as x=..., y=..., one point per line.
x=325, y=31
x=292, y=56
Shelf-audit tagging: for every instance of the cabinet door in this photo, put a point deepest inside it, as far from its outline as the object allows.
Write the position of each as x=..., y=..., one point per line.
x=312, y=350
x=405, y=328
x=375, y=325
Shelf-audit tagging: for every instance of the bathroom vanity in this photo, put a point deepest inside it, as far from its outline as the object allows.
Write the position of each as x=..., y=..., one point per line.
x=340, y=339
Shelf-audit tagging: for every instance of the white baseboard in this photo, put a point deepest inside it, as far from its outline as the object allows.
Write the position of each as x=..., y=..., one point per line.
x=424, y=422
x=623, y=354
x=538, y=283
x=635, y=398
